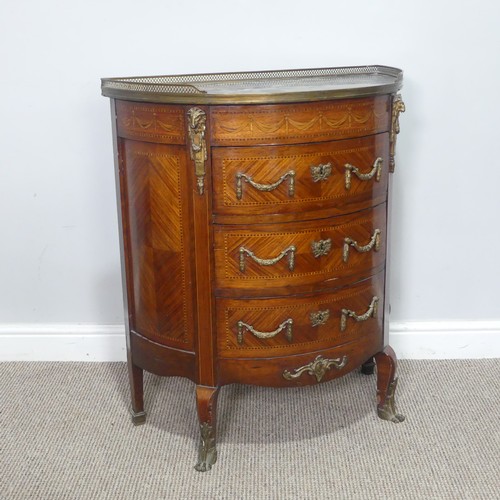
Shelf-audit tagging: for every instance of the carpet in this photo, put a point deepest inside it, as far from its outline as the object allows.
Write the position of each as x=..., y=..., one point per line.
x=65, y=433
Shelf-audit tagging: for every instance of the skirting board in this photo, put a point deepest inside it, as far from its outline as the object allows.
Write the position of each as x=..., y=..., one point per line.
x=75, y=342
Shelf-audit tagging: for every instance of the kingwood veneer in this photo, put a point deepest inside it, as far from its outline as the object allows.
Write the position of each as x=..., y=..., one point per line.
x=254, y=233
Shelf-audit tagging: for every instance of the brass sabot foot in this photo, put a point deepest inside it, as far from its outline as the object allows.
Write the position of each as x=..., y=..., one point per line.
x=207, y=452
x=390, y=415
x=139, y=418
x=387, y=411
x=206, y=465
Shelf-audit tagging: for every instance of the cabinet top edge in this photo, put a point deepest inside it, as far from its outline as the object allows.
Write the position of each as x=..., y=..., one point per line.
x=258, y=87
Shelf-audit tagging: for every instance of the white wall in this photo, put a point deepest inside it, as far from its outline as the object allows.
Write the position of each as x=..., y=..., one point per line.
x=59, y=258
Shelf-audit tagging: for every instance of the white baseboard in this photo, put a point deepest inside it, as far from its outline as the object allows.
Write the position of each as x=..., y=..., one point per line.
x=62, y=342
x=74, y=342
x=446, y=339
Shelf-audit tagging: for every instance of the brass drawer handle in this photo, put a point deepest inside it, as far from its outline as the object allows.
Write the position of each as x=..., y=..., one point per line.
x=290, y=252
x=374, y=244
x=376, y=172
x=321, y=247
x=240, y=177
x=317, y=368
x=319, y=317
x=370, y=313
x=321, y=172
x=286, y=325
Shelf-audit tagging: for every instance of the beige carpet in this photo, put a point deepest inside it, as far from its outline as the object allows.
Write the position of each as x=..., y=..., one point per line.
x=65, y=433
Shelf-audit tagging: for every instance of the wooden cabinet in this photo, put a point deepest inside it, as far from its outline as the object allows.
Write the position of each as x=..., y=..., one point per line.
x=254, y=229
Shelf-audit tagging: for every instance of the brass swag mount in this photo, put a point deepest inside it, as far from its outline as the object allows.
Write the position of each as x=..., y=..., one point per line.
x=240, y=177
x=317, y=368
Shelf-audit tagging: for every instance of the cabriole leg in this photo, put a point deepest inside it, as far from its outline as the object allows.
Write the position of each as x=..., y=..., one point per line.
x=135, y=375
x=206, y=401
x=386, y=385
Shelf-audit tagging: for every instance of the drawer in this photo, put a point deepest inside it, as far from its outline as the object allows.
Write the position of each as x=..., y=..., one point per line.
x=305, y=369
x=343, y=176
x=268, y=327
x=296, y=254
x=299, y=122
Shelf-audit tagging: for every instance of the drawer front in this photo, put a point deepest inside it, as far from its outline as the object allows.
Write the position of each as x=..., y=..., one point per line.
x=272, y=255
x=306, y=369
x=158, y=123
x=270, y=327
x=298, y=123
x=344, y=175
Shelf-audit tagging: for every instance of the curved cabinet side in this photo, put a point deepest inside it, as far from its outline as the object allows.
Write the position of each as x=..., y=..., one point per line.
x=162, y=360
x=158, y=237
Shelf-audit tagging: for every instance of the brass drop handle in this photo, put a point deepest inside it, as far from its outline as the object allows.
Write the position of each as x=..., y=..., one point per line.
x=321, y=172
x=374, y=244
x=347, y=313
x=316, y=368
x=376, y=172
x=286, y=325
x=289, y=252
x=240, y=177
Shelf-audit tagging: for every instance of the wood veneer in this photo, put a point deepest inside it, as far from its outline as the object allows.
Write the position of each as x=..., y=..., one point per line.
x=268, y=240
x=299, y=122
x=269, y=371
x=266, y=165
x=266, y=314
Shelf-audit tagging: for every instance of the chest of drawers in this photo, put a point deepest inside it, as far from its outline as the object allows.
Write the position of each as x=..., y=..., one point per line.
x=253, y=210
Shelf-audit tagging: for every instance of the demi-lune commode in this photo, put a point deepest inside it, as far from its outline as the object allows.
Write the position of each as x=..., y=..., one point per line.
x=253, y=210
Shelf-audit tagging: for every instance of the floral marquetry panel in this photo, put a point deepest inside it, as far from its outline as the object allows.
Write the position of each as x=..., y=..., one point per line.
x=152, y=123
x=280, y=124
